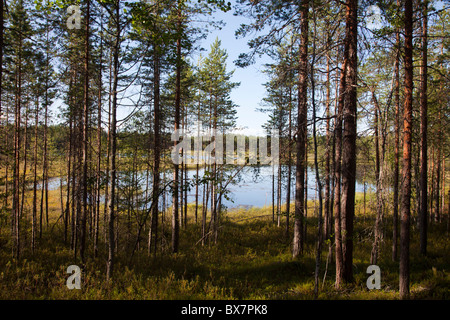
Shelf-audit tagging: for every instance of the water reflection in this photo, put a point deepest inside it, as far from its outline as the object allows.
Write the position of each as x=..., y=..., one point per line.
x=251, y=187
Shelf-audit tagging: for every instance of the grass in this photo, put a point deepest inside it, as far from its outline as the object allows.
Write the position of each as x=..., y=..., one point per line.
x=252, y=260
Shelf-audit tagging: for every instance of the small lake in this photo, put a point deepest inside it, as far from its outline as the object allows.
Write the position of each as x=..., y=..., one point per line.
x=252, y=187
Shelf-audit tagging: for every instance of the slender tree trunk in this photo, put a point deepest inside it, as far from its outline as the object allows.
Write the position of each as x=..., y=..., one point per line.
x=377, y=238
x=305, y=230
x=99, y=146
x=337, y=179
x=279, y=194
x=17, y=144
x=396, y=149
x=406, y=172
x=69, y=179
x=204, y=210
x=437, y=207
x=35, y=155
x=302, y=130
x=3, y=145
x=112, y=203
x=316, y=164
x=1, y=55
x=327, y=216
x=157, y=151
x=423, y=212
x=288, y=190
x=85, y=136
x=349, y=140
x=108, y=150
x=24, y=173
x=273, y=193
x=176, y=178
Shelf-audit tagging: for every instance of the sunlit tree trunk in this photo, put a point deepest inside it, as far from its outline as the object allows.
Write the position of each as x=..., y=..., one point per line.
x=396, y=149
x=406, y=171
x=301, y=132
x=349, y=140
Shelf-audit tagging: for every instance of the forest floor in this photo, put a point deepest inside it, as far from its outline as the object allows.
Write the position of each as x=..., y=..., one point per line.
x=251, y=260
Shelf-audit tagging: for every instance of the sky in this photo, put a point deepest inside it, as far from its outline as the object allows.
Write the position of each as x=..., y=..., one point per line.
x=250, y=93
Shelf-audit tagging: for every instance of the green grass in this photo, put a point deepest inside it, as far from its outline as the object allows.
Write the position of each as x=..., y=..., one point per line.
x=252, y=260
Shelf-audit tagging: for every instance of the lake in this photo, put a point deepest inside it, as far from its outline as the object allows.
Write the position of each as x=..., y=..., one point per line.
x=252, y=187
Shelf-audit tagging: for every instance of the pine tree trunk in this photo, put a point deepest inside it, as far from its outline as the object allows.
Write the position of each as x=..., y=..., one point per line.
x=35, y=155
x=176, y=178
x=1, y=55
x=406, y=172
x=99, y=146
x=396, y=150
x=288, y=190
x=157, y=151
x=337, y=179
x=85, y=137
x=327, y=204
x=377, y=238
x=301, y=132
x=17, y=139
x=349, y=140
x=423, y=212
x=112, y=203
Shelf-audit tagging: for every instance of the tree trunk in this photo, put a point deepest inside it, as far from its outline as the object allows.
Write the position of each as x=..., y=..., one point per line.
x=302, y=130
x=337, y=179
x=112, y=203
x=157, y=152
x=437, y=206
x=85, y=136
x=349, y=140
x=377, y=238
x=423, y=212
x=99, y=146
x=35, y=155
x=396, y=149
x=327, y=216
x=176, y=178
x=316, y=165
x=17, y=139
x=406, y=171
x=1, y=54
x=288, y=190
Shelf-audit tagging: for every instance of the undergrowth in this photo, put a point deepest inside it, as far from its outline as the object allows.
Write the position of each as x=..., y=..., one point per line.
x=251, y=260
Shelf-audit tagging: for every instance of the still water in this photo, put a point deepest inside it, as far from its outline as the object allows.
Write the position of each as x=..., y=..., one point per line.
x=251, y=187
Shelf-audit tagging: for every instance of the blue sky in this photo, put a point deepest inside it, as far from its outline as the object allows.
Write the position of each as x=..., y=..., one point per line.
x=251, y=91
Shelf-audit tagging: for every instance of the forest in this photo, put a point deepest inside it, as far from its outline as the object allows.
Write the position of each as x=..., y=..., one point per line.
x=120, y=152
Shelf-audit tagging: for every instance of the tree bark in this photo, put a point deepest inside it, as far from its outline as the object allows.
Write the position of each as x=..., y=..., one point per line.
x=327, y=204
x=157, y=151
x=406, y=171
x=302, y=130
x=288, y=190
x=349, y=140
x=423, y=212
x=176, y=178
x=112, y=203
x=99, y=145
x=377, y=231
x=85, y=136
x=396, y=149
